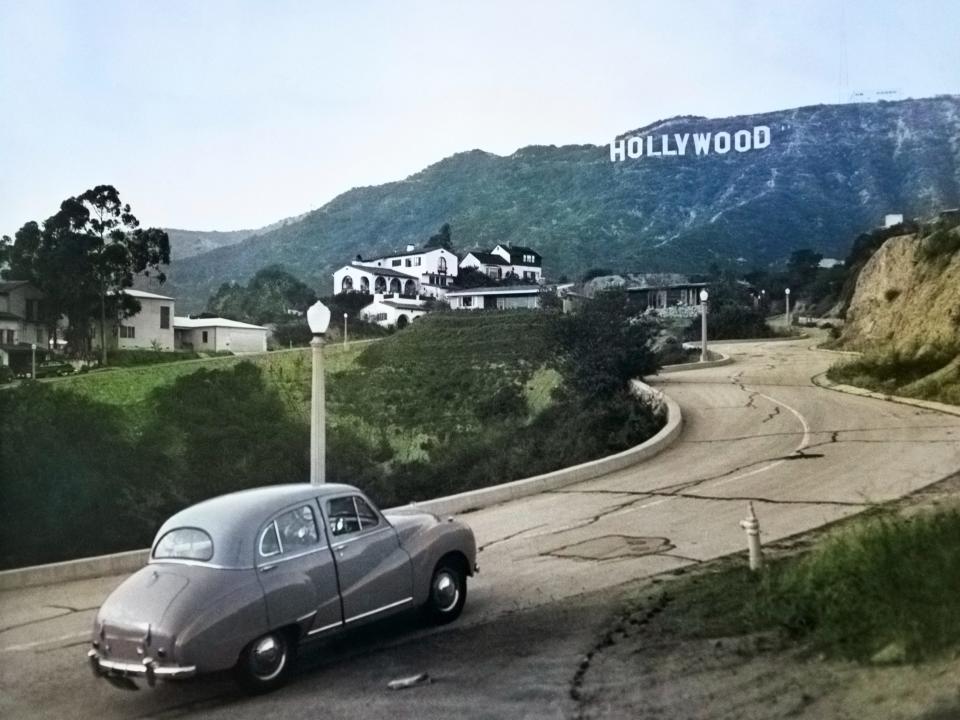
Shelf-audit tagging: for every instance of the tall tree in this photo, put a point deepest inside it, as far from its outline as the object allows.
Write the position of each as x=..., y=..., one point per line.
x=84, y=257
x=442, y=239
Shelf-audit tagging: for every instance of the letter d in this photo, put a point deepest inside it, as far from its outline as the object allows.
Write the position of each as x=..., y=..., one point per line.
x=761, y=137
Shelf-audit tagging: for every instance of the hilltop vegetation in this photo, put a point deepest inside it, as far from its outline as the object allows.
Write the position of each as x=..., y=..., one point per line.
x=830, y=171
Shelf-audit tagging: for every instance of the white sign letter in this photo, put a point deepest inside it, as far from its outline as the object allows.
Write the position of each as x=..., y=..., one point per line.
x=721, y=142
x=618, y=150
x=635, y=147
x=681, y=141
x=650, y=152
x=761, y=137
x=741, y=140
x=701, y=143
x=665, y=139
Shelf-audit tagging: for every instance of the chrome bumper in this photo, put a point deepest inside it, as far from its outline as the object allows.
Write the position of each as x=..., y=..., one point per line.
x=148, y=669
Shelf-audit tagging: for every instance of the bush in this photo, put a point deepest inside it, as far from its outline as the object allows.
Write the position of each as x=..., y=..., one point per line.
x=6, y=375
x=134, y=358
x=889, y=581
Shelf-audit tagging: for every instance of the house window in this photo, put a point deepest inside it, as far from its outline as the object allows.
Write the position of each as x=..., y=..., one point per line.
x=407, y=262
x=128, y=331
x=32, y=309
x=205, y=336
x=528, y=259
x=381, y=317
x=164, y=318
x=416, y=261
x=442, y=266
x=10, y=338
x=395, y=263
x=529, y=275
x=467, y=301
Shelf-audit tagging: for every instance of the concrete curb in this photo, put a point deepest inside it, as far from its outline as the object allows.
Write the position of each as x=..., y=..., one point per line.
x=487, y=497
x=823, y=381
x=130, y=561
x=681, y=367
x=696, y=343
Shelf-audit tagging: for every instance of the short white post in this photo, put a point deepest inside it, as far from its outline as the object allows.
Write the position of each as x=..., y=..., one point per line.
x=344, y=328
x=704, y=296
x=752, y=527
x=787, y=294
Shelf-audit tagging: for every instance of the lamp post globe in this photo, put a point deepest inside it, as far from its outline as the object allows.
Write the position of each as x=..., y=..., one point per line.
x=318, y=318
x=786, y=293
x=344, y=328
x=704, y=296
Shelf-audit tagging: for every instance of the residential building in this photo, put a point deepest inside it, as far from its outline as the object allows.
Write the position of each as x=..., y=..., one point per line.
x=504, y=297
x=660, y=293
x=21, y=315
x=409, y=273
x=505, y=261
x=391, y=311
x=152, y=327
x=218, y=335
x=494, y=266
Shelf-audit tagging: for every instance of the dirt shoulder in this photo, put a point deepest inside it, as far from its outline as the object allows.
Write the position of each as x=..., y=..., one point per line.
x=675, y=651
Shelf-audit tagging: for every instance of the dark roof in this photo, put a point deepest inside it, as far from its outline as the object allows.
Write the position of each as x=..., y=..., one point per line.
x=9, y=316
x=389, y=272
x=488, y=258
x=518, y=251
x=421, y=251
x=401, y=305
x=8, y=285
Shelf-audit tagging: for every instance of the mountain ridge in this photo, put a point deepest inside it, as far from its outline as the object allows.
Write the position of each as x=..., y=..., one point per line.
x=830, y=172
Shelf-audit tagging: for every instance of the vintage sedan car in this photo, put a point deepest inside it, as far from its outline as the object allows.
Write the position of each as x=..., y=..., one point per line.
x=239, y=581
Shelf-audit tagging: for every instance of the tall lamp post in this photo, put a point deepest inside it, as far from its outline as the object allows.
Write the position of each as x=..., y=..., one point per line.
x=704, y=296
x=786, y=293
x=33, y=361
x=344, y=328
x=318, y=317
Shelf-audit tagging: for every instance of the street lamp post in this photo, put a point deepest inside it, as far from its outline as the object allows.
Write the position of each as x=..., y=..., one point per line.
x=786, y=293
x=344, y=328
x=704, y=296
x=33, y=361
x=318, y=317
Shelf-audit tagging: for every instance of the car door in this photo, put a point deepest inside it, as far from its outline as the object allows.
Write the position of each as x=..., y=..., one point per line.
x=374, y=570
x=296, y=570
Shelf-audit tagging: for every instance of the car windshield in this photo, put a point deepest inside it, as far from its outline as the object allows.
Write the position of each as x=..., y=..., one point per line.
x=184, y=544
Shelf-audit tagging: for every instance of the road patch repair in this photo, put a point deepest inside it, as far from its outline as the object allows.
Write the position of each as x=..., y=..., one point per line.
x=610, y=547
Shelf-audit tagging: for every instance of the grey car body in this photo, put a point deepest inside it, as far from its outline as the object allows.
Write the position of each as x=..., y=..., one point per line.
x=302, y=560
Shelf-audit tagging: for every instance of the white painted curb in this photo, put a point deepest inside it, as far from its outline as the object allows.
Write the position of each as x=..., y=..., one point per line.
x=126, y=562
x=823, y=381
x=696, y=365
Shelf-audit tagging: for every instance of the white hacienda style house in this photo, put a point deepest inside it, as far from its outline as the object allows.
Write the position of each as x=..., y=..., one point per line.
x=393, y=311
x=410, y=273
x=506, y=261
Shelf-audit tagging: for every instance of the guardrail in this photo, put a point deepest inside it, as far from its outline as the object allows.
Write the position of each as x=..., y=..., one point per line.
x=130, y=561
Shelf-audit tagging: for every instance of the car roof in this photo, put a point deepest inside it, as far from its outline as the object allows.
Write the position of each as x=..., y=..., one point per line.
x=232, y=520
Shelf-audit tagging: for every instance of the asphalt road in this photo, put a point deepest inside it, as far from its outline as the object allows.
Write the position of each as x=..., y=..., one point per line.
x=552, y=565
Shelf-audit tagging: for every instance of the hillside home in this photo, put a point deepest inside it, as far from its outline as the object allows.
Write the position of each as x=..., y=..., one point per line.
x=410, y=273
x=507, y=260
x=20, y=314
x=391, y=311
x=504, y=297
x=152, y=327
x=218, y=335
x=661, y=293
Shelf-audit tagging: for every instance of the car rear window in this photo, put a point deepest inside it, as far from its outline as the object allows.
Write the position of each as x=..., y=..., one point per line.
x=184, y=544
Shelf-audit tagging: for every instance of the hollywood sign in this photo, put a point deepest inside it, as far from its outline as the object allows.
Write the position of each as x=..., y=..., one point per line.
x=680, y=143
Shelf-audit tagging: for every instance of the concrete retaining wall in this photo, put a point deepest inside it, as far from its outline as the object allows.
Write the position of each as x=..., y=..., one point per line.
x=680, y=367
x=127, y=562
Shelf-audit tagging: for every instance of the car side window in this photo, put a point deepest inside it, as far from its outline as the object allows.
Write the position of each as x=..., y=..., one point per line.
x=342, y=514
x=289, y=533
x=297, y=529
x=367, y=515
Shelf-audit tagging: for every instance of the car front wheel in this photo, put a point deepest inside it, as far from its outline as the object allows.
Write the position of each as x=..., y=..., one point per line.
x=265, y=663
x=448, y=593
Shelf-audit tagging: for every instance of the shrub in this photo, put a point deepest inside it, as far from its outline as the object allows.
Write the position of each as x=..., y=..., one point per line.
x=891, y=294
x=889, y=581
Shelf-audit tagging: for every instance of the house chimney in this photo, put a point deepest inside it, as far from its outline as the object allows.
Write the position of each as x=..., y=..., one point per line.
x=359, y=257
x=410, y=248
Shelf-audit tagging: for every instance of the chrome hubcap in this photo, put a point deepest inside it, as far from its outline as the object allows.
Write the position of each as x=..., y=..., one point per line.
x=268, y=657
x=446, y=593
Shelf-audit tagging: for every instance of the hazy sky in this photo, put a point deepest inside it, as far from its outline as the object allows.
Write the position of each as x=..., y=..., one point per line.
x=225, y=115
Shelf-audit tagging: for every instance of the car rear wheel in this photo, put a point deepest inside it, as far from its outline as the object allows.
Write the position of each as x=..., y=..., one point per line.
x=448, y=593
x=265, y=663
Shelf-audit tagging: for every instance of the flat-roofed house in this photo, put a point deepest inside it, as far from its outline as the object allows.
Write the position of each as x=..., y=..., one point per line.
x=219, y=335
x=501, y=297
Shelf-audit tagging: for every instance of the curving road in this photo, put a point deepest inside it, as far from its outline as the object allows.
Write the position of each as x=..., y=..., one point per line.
x=550, y=564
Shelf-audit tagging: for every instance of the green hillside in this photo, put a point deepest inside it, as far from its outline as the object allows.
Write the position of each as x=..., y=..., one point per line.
x=829, y=173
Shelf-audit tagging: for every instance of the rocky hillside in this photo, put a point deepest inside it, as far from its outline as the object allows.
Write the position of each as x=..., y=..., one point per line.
x=187, y=243
x=907, y=297
x=828, y=173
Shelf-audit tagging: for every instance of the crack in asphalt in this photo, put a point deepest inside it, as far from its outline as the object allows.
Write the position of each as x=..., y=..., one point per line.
x=646, y=494
x=68, y=611
x=510, y=536
x=949, y=428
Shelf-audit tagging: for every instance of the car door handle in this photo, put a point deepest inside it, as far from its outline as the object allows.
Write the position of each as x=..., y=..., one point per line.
x=267, y=568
